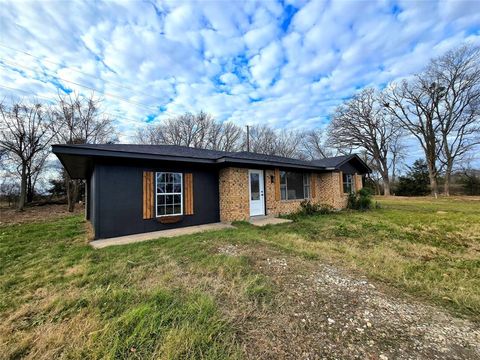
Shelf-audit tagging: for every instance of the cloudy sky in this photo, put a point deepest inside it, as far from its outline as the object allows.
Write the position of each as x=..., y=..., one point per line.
x=286, y=64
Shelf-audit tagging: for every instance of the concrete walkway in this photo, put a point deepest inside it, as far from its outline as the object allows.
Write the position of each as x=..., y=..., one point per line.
x=129, y=239
x=267, y=220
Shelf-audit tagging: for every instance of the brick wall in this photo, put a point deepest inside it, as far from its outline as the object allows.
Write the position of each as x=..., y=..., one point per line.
x=234, y=197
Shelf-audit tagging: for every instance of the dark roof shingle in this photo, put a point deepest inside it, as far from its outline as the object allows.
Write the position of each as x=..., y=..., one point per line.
x=186, y=154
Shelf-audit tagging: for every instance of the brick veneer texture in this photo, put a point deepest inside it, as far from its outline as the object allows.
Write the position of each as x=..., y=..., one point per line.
x=234, y=197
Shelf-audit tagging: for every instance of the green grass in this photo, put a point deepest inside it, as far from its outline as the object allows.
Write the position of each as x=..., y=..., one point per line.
x=181, y=298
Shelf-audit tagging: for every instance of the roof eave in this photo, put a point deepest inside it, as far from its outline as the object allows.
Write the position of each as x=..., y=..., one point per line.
x=59, y=149
x=231, y=160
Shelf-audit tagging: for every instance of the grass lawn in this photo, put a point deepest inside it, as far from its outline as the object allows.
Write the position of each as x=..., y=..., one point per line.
x=185, y=297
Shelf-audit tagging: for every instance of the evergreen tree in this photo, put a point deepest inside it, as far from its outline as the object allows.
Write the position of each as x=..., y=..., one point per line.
x=416, y=182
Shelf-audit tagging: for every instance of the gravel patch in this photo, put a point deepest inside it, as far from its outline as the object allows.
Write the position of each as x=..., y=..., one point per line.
x=324, y=312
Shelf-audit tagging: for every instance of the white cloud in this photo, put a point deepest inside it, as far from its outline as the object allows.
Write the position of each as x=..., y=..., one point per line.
x=237, y=60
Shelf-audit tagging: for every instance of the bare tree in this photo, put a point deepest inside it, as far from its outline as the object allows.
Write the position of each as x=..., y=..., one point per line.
x=25, y=134
x=288, y=143
x=79, y=120
x=262, y=140
x=413, y=104
x=362, y=123
x=9, y=189
x=314, y=144
x=457, y=76
x=193, y=130
x=225, y=137
x=202, y=131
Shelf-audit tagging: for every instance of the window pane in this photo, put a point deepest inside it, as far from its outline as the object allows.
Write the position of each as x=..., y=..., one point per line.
x=177, y=188
x=177, y=178
x=161, y=210
x=169, y=188
x=160, y=188
x=283, y=192
x=177, y=199
x=306, y=179
x=283, y=178
x=294, y=185
x=160, y=199
x=169, y=210
x=255, y=186
x=177, y=209
x=161, y=177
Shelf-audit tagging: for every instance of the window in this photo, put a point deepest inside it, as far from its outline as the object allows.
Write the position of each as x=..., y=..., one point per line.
x=347, y=183
x=169, y=193
x=294, y=185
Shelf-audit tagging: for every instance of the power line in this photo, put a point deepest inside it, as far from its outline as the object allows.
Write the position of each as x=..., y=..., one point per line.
x=54, y=100
x=12, y=63
x=79, y=71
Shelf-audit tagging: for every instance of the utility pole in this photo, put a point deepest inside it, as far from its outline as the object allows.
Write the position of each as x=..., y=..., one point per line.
x=248, y=138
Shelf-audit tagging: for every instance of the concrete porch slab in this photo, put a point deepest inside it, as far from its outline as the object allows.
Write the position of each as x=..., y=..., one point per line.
x=129, y=239
x=267, y=220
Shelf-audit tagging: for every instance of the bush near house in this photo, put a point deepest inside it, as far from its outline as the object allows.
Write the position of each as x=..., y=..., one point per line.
x=361, y=200
x=309, y=208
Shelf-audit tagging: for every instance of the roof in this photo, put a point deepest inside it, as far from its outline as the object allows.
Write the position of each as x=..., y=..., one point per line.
x=77, y=158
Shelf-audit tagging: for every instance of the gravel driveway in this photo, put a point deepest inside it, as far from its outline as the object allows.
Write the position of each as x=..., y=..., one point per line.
x=323, y=312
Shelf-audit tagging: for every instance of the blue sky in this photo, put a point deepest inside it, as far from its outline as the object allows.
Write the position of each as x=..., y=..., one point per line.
x=286, y=64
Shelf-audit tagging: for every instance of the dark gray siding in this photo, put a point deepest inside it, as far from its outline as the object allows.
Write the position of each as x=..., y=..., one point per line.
x=348, y=168
x=117, y=189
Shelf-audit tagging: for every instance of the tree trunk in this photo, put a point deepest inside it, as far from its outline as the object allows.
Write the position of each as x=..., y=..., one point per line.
x=23, y=188
x=29, y=189
x=386, y=182
x=433, y=184
x=386, y=187
x=72, y=192
x=432, y=173
x=448, y=176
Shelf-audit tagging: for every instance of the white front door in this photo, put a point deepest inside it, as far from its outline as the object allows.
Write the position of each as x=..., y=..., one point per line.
x=256, y=191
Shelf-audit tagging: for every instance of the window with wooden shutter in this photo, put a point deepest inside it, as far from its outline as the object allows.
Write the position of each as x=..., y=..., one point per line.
x=148, y=199
x=188, y=195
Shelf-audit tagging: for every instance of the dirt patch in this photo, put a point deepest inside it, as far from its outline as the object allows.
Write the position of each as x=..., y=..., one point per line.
x=321, y=312
x=9, y=216
x=230, y=250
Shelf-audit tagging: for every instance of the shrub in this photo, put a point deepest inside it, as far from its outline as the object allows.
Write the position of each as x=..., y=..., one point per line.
x=361, y=200
x=309, y=208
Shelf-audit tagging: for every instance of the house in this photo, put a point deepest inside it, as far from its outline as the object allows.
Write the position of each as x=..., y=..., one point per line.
x=133, y=189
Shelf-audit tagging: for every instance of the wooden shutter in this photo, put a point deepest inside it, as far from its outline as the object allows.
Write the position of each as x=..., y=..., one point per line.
x=277, y=184
x=148, y=199
x=188, y=194
x=313, y=194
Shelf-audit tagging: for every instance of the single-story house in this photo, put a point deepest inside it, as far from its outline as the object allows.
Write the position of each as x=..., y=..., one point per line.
x=132, y=189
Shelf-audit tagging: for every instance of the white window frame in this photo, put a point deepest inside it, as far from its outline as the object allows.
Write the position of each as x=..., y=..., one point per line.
x=307, y=185
x=348, y=181
x=173, y=193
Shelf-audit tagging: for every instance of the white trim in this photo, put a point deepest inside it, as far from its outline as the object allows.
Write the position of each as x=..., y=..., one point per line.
x=156, y=193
